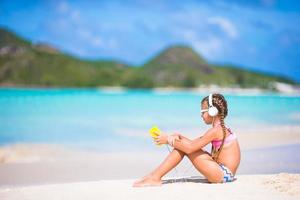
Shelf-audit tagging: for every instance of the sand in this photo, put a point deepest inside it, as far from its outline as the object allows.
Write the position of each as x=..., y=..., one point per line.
x=269, y=169
x=277, y=186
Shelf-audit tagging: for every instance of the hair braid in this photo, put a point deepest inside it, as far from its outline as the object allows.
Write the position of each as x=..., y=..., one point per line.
x=221, y=104
x=224, y=136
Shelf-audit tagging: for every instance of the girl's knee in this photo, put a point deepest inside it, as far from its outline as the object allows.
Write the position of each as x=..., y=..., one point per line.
x=179, y=152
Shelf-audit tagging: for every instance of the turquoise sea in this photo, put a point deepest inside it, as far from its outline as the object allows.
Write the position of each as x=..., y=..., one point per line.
x=107, y=120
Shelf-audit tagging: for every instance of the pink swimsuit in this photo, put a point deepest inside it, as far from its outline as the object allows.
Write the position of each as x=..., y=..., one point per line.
x=217, y=143
x=228, y=175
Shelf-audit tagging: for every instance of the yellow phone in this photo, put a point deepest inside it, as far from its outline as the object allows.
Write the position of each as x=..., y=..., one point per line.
x=154, y=132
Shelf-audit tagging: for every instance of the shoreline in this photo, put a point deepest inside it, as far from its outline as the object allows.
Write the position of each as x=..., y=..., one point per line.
x=36, y=164
x=167, y=90
x=249, y=139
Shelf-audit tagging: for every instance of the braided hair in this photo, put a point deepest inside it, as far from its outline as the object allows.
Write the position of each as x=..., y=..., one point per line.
x=219, y=101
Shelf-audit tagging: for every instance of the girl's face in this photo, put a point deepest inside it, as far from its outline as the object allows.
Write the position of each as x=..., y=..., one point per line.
x=206, y=118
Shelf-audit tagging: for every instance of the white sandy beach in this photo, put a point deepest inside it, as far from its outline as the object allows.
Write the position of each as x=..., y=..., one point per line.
x=47, y=171
x=277, y=186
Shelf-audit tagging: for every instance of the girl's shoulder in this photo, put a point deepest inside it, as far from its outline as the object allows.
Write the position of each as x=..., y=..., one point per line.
x=217, y=131
x=214, y=131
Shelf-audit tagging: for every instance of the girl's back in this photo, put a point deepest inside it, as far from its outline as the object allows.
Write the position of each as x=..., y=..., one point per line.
x=230, y=154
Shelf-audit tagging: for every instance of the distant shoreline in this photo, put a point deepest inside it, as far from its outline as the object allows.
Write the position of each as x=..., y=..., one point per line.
x=202, y=89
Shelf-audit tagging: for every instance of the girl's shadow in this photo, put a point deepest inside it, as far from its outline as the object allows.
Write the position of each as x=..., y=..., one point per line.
x=192, y=179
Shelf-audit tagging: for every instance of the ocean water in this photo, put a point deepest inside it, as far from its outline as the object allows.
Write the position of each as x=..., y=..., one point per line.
x=119, y=120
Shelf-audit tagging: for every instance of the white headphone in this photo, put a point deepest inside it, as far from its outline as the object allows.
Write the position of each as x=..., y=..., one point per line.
x=212, y=110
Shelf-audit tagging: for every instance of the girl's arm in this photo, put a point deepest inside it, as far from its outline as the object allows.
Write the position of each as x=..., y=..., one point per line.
x=190, y=146
x=181, y=136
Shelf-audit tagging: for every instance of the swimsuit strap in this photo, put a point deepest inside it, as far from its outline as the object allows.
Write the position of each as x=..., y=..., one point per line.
x=229, y=138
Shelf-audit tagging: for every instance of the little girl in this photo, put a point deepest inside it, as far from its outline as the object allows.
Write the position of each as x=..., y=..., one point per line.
x=220, y=165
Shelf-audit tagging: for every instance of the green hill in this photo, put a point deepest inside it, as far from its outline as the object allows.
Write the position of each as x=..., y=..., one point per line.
x=182, y=66
x=25, y=64
x=178, y=66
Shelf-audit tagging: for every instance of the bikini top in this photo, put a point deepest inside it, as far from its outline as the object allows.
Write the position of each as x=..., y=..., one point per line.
x=217, y=143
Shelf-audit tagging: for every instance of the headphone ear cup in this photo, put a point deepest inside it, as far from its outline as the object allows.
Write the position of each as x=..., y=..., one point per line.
x=213, y=111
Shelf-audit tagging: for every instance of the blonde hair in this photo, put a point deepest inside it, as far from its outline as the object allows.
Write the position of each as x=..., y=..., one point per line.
x=219, y=101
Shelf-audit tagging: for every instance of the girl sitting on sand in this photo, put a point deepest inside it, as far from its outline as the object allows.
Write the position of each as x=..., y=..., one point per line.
x=220, y=165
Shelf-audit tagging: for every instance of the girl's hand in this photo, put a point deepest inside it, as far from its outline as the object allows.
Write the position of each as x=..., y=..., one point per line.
x=161, y=139
x=176, y=134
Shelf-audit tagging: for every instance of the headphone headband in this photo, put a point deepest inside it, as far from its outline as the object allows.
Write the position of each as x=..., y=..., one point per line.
x=210, y=104
x=212, y=110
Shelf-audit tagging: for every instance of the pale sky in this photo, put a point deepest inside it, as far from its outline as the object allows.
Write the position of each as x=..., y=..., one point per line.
x=262, y=35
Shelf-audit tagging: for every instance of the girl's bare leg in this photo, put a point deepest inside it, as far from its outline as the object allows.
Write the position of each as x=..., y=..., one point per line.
x=204, y=163
x=154, y=178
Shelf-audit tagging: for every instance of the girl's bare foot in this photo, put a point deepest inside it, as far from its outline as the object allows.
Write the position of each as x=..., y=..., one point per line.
x=147, y=181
